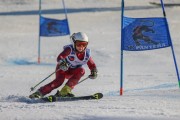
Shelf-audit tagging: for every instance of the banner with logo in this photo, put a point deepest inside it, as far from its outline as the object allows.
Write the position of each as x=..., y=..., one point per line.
x=145, y=34
x=53, y=27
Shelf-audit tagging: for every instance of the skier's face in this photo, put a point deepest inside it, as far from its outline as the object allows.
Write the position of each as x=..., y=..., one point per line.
x=81, y=46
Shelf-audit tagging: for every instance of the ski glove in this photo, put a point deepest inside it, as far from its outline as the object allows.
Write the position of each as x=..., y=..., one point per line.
x=93, y=74
x=63, y=65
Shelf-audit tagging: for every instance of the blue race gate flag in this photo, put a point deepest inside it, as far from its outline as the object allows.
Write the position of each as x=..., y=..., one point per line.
x=139, y=34
x=145, y=34
x=52, y=27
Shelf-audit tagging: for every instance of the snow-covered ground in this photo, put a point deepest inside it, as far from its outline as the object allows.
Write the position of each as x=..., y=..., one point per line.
x=151, y=89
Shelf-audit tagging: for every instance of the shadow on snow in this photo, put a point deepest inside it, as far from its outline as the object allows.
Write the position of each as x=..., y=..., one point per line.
x=75, y=10
x=137, y=91
x=26, y=62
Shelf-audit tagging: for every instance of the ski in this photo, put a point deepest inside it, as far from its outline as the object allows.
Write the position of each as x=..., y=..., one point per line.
x=166, y=4
x=155, y=3
x=53, y=98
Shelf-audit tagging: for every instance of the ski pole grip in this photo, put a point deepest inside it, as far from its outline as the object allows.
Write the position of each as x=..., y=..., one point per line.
x=32, y=89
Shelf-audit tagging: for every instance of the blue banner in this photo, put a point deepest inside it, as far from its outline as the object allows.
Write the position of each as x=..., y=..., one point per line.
x=145, y=34
x=52, y=27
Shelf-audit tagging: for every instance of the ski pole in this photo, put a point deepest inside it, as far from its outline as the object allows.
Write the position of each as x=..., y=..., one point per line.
x=83, y=80
x=32, y=88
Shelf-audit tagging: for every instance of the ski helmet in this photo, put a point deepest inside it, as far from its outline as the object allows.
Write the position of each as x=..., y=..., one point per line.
x=79, y=36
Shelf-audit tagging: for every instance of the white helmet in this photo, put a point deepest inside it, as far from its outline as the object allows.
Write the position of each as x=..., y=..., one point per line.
x=79, y=36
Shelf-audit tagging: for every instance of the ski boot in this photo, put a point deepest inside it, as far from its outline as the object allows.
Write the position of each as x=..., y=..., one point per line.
x=65, y=92
x=37, y=94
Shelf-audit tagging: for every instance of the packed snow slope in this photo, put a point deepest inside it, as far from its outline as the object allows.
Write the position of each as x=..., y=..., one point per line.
x=151, y=90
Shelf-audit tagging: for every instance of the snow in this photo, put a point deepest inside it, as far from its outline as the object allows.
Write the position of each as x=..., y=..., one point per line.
x=151, y=90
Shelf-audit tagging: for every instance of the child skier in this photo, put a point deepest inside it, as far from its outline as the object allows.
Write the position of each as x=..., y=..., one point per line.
x=69, y=66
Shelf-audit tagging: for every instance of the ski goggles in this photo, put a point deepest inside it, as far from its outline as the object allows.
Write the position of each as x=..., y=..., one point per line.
x=79, y=44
